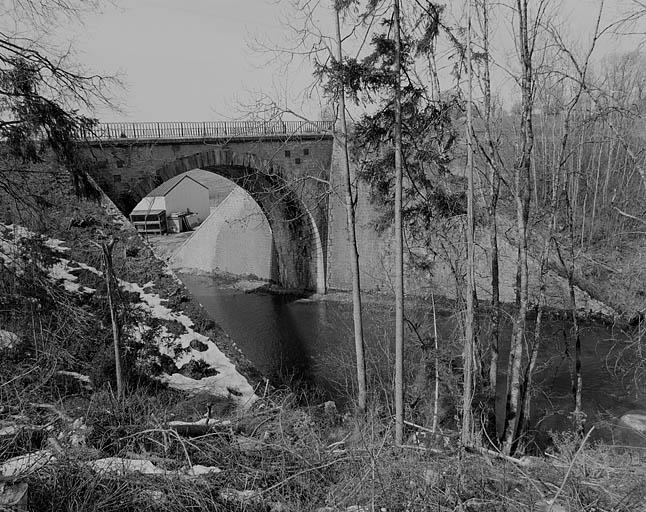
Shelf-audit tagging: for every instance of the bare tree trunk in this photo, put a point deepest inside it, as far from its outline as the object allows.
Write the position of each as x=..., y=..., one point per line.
x=522, y=179
x=352, y=239
x=435, y=81
x=109, y=279
x=596, y=190
x=436, y=394
x=526, y=398
x=494, y=190
x=575, y=371
x=468, y=433
x=399, y=242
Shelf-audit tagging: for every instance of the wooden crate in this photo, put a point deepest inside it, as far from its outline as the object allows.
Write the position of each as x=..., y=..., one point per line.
x=149, y=221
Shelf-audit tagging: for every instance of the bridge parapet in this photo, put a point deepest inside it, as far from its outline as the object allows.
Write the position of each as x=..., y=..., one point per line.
x=203, y=130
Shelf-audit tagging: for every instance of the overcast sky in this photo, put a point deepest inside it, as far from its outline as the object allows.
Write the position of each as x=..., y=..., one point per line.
x=191, y=60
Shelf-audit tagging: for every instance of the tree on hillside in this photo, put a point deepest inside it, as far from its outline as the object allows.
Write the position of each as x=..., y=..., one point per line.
x=44, y=98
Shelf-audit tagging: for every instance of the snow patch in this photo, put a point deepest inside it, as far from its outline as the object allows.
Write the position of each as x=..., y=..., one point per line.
x=19, y=466
x=8, y=339
x=78, y=376
x=123, y=466
x=60, y=271
x=228, y=382
x=120, y=466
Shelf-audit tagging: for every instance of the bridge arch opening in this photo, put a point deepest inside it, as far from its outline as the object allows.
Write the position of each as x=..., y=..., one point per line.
x=297, y=255
x=235, y=238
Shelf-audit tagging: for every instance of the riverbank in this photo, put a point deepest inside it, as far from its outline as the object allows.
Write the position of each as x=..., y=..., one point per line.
x=443, y=305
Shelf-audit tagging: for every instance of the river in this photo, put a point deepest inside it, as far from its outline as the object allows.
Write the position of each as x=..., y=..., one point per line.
x=310, y=341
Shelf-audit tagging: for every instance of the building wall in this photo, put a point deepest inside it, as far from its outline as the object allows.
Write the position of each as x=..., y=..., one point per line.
x=189, y=195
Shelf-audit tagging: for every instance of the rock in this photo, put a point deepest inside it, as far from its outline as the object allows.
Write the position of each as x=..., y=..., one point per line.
x=197, y=369
x=198, y=345
x=635, y=420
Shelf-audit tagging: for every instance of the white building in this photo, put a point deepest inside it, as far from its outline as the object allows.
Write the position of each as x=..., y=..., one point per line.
x=178, y=195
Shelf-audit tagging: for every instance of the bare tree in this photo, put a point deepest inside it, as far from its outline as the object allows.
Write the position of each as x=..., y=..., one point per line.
x=488, y=148
x=522, y=195
x=351, y=228
x=467, y=435
x=399, y=239
x=111, y=281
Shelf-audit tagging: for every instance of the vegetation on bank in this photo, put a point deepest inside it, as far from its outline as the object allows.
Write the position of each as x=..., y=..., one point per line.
x=91, y=451
x=281, y=456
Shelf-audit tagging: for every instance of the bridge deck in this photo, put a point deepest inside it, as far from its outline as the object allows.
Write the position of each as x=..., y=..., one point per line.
x=203, y=130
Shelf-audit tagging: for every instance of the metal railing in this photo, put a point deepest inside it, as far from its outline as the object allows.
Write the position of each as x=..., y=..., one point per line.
x=206, y=129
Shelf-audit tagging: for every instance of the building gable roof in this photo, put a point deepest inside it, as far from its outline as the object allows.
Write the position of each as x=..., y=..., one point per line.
x=170, y=184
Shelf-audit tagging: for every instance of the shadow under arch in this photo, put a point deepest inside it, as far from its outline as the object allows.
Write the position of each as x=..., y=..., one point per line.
x=298, y=246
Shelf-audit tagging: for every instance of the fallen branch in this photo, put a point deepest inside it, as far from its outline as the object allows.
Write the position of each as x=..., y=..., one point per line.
x=524, y=461
x=569, y=469
x=629, y=215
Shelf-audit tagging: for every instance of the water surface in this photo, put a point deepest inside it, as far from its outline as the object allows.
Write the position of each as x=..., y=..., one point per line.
x=312, y=341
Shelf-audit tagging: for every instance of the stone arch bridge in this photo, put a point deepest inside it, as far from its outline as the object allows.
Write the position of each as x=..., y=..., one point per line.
x=284, y=166
x=293, y=172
